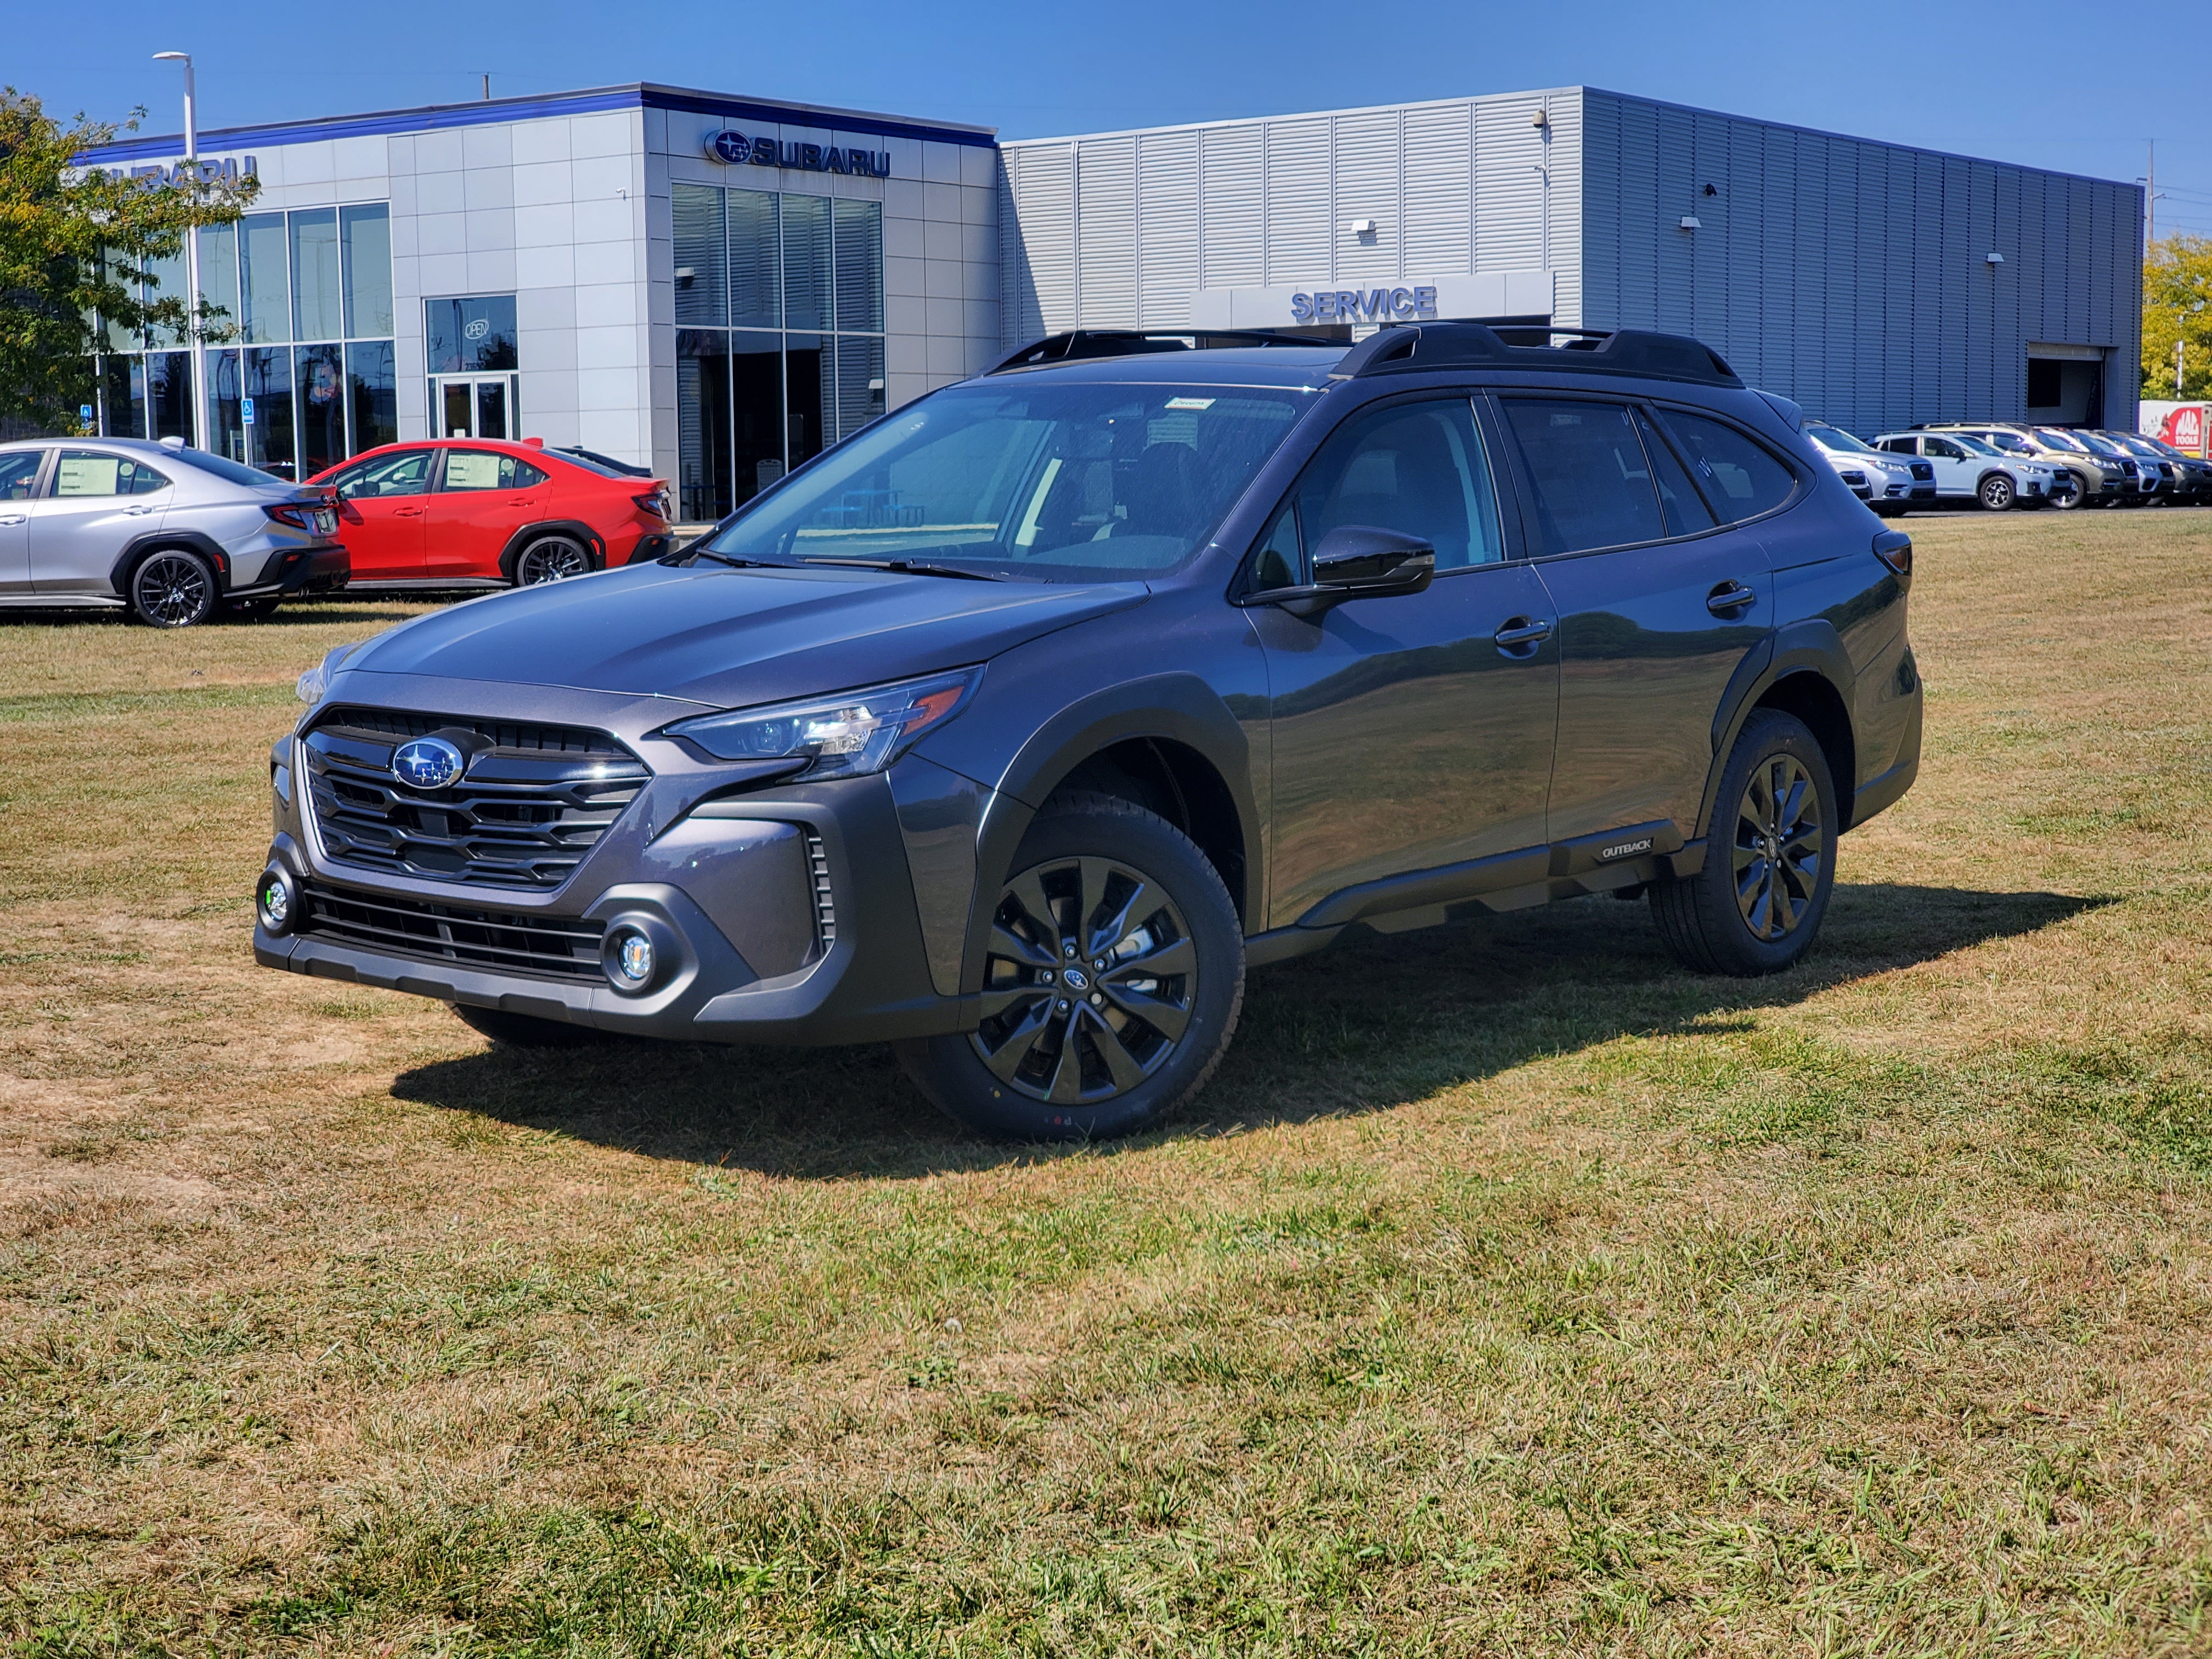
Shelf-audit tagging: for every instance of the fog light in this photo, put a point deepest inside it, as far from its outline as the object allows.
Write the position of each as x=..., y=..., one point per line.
x=273, y=900
x=631, y=961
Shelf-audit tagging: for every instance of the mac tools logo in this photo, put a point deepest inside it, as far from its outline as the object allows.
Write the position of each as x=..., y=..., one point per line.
x=735, y=148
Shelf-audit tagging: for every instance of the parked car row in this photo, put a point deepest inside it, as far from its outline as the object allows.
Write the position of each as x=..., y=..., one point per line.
x=2001, y=465
x=175, y=535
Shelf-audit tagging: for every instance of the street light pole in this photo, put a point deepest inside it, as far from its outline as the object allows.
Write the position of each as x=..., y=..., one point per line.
x=191, y=249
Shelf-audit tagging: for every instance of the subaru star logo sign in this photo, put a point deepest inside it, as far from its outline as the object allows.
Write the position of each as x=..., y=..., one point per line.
x=426, y=763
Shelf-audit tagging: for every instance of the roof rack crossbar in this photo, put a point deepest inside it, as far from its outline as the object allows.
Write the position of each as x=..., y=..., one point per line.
x=1130, y=342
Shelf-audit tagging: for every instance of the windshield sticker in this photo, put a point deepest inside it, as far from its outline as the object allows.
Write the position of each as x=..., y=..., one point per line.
x=1190, y=403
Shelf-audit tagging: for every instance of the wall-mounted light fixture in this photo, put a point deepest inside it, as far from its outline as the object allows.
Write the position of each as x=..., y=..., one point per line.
x=1542, y=118
x=1690, y=222
x=1993, y=259
x=1364, y=229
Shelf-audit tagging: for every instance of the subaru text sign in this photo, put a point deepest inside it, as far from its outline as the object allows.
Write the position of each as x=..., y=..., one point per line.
x=735, y=146
x=1375, y=304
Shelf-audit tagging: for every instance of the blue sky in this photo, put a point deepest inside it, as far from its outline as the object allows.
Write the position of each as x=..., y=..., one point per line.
x=2012, y=82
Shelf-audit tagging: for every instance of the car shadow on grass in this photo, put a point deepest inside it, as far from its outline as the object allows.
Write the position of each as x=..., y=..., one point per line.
x=1370, y=1024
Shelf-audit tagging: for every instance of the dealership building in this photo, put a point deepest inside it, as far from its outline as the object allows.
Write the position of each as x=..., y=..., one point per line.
x=718, y=287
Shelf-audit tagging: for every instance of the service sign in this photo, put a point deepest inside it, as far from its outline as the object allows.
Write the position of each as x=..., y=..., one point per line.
x=1374, y=305
x=736, y=148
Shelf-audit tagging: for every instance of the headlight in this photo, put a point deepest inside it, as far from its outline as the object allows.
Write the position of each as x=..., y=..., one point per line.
x=317, y=680
x=845, y=736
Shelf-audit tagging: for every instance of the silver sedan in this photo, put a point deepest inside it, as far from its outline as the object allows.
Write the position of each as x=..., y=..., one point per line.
x=174, y=534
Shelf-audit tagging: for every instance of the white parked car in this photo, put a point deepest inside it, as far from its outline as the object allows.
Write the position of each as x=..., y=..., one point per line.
x=1969, y=469
x=1890, y=484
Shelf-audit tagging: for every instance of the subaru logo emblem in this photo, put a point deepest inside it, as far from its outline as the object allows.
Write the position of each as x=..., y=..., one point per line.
x=428, y=763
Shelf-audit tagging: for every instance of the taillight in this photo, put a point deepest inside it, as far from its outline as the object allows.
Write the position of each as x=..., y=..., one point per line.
x=654, y=502
x=300, y=516
x=1894, y=548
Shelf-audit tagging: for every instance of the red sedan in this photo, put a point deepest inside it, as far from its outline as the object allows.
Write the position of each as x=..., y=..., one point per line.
x=483, y=512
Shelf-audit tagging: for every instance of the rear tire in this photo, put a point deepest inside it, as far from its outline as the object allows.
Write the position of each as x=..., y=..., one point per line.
x=173, y=587
x=1113, y=986
x=1770, y=857
x=2079, y=496
x=526, y=1030
x=552, y=559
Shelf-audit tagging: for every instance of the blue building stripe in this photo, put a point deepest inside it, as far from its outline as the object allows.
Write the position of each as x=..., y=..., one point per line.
x=431, y=117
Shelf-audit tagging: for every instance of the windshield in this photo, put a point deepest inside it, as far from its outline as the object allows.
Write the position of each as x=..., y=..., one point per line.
x=1050, y=482
x=2097, y=446
x=1833, y=437
x=594, y=463
x=227, y=470
x=2010, y=443
x=2058, y=439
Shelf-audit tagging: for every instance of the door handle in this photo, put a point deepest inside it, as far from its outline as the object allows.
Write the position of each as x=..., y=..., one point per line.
x=1519, y=636
x=15, y=517
x=1730, y=599
x=406, y=512
x=135, y=512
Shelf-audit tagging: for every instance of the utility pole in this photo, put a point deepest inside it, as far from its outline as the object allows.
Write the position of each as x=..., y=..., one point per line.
x=2150, y=193
x=2180, y=348
x=192, y=252
x=487, y=97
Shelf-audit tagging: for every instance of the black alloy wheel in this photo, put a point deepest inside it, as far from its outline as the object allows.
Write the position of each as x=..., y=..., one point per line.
x=1781, y=848
x=1090, y=982
x=1112, y=980
x=551, y=559
x=172, y=588
x=1996, y=493
x=1756, y=903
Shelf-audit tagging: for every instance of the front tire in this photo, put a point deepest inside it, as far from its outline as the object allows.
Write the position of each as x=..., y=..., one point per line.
x=1769, y=857
x=1113, y=983
x=552, y=559
x=1995, y=494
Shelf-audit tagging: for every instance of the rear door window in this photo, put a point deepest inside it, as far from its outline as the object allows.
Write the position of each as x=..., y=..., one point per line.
x=1592, y=480
x=485, y=469
x=1685, y=509
x=1741, y=477
x=87, y=472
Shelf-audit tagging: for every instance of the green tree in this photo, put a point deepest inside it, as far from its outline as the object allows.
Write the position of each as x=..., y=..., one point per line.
x=2177, y=307
x=77, y=246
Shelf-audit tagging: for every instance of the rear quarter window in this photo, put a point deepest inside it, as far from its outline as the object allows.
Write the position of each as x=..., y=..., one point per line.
x=1742, y=477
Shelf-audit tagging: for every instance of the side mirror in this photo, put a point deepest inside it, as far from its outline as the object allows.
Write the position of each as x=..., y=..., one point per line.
x=1358, y=562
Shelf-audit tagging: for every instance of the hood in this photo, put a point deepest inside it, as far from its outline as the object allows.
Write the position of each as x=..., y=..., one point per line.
x=733, y=638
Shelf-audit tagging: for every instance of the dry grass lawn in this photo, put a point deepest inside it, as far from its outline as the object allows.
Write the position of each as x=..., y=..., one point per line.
x=1511, y=1292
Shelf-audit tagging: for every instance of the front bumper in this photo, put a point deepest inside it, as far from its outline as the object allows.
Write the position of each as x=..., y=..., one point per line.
x=827, y=912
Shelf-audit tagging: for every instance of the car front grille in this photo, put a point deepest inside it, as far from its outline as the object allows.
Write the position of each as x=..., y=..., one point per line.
x=552, y=947
x=1924, y=472
x=531, y=803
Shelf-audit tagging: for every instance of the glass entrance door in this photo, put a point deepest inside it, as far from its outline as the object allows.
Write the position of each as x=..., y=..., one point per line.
x=474, y=405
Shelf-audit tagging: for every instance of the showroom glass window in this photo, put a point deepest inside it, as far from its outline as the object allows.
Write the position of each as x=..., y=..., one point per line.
x=780, y=335
x=305, y=377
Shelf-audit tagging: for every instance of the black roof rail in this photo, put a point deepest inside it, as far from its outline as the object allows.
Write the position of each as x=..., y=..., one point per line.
x=1130, y=342
x=1405, y=348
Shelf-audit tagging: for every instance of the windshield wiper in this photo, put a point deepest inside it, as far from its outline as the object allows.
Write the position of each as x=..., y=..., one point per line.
x=735, y=561
x=912, y=568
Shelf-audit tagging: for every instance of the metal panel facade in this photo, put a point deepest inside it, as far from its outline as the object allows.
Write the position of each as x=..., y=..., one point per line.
x=1853, y=275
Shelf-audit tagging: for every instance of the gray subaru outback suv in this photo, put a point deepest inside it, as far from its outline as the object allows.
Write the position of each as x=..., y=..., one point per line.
x=1016, y=728
x=175, y=535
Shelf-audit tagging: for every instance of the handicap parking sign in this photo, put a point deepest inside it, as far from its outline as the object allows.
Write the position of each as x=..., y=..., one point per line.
x=245, y=410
